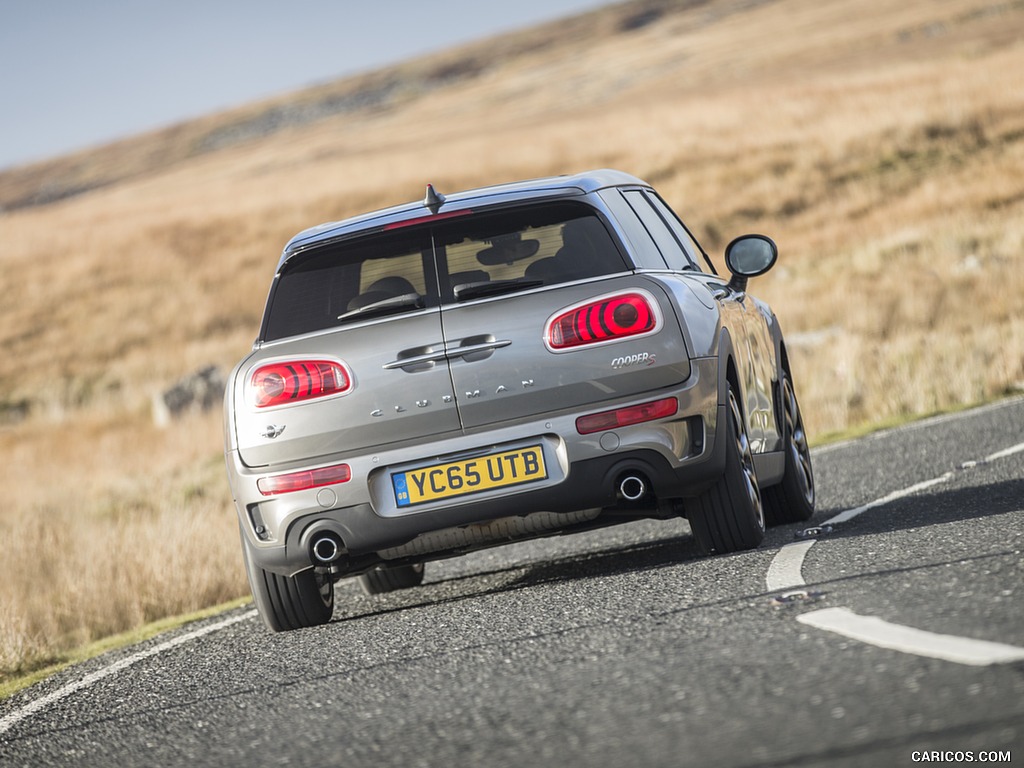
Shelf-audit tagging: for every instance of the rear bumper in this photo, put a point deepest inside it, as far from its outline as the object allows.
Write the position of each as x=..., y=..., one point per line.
x=678, y=456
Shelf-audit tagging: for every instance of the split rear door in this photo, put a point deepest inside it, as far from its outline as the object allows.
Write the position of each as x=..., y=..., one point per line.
x=444, y=328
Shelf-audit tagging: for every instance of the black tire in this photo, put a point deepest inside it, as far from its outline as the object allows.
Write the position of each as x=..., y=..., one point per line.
x=729, y=516
x=381, y=580
x=291, y=602
x=792, y=500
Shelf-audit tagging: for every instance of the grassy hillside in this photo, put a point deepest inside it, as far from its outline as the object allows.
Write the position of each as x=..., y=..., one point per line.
x=881, y=144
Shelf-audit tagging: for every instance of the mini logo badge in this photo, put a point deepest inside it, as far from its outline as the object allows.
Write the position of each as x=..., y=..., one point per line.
x=272, y=431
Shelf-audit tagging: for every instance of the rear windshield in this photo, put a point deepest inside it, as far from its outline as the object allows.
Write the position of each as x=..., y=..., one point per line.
x=384, y=274
x=456, y=260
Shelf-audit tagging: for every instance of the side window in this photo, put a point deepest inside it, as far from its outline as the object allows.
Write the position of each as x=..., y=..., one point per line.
x=669, y=245
x=645, y=252
x=678, y=229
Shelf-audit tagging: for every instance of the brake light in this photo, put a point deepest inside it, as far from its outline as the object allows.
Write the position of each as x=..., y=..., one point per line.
x=293, y=381
x=302, y=481
x=608, y=318
x=425, y=219
x=623, y=417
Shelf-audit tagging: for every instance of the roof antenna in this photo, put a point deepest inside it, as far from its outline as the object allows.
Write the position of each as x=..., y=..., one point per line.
x=434, y=200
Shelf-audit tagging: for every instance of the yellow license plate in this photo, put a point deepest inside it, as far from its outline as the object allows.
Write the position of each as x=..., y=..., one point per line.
x=457, y=478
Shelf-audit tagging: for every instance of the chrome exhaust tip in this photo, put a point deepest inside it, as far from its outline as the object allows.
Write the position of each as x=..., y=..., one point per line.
x=633, y=487
x=325, y=549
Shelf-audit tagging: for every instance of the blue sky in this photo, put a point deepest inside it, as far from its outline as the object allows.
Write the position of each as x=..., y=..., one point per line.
x=78, y=73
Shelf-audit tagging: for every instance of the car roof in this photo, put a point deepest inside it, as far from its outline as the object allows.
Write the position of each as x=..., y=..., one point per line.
x=548, y=187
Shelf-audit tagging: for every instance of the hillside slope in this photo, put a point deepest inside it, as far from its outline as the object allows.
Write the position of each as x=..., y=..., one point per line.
x=380, y=91
x=881, y=144
x=803, y=119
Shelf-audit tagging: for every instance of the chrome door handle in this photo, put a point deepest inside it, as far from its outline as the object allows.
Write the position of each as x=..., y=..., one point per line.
x=404, y=362
x=446, y=354
x=469, y=349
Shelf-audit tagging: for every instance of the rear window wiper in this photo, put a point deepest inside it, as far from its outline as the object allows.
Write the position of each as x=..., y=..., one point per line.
x=479, y=290
x=386, y=307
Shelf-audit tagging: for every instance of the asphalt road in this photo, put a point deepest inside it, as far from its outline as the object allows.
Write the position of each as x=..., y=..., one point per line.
x=621, y=647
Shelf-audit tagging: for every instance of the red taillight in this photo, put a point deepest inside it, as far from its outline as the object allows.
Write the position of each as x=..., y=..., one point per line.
x=605, y=319
x=623, y=417
x=297, y=380
x=302, y=481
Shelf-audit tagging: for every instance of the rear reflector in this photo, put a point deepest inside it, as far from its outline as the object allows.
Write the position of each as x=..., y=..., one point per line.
x=303, y=481
x=608, y=318
x=623, y=417
x=293, y=381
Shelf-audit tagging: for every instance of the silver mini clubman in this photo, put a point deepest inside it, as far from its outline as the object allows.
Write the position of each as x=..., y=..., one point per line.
x=504, y=363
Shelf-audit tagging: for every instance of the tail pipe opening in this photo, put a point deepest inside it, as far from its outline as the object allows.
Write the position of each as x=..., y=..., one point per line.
x=325, y=548
x=633, y=487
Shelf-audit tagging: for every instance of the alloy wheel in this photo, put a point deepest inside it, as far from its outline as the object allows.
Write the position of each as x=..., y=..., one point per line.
x=799, y=450
x=746, y=462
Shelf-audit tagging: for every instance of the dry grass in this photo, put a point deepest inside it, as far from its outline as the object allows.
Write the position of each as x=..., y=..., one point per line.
x=882, y=146
x=117, y=526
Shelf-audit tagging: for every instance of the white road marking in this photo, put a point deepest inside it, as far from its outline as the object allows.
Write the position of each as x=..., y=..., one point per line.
x=849, y=514
x=10, y=720
x=786, y=569
x=896, y=637
x=1008, y=452
x=786, y=572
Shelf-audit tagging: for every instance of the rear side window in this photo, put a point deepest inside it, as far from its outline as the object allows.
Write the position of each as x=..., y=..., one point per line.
x=669, y=245
x=693, y=250
x=514, y=249
x=643, y=249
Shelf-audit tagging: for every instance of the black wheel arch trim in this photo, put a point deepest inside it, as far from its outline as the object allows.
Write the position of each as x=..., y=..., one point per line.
x=725, y=355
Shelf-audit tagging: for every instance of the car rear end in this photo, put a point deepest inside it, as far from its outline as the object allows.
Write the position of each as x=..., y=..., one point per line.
x=428, y=382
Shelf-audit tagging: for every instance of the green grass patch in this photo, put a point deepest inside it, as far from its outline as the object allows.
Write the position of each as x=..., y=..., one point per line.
x=132, y=637
x=869, y=428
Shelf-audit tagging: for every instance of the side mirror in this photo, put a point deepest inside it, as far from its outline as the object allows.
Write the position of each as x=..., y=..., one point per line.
x=749, y=256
